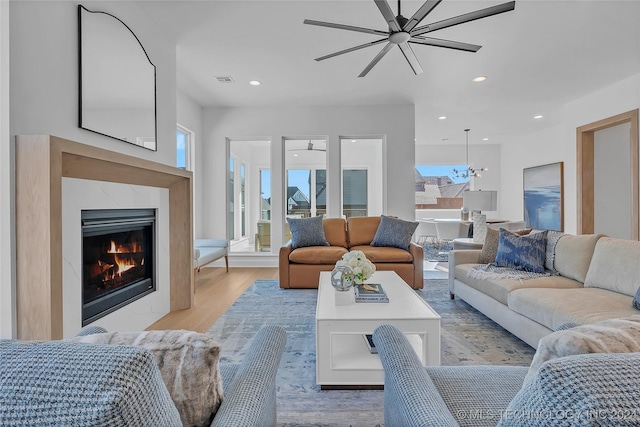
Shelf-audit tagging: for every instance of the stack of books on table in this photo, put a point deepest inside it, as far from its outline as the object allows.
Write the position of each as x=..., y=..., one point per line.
x=370, y=292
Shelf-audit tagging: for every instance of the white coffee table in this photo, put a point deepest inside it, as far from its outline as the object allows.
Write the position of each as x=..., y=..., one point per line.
x=343, y=359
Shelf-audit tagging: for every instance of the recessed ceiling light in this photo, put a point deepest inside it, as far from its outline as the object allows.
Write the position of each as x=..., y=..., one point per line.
x=442, y=118
x=295, y=155
x=479, y=79
x=485, y=139
x=539, y=116
x=353, y=140
x=255, y=83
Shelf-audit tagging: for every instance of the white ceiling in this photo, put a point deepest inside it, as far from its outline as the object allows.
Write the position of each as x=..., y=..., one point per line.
x=536, y=58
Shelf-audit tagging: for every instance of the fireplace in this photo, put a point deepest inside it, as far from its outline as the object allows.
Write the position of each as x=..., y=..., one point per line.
x=118, y=257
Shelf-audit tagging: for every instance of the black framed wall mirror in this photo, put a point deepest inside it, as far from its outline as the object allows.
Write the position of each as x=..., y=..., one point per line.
x=117, y=81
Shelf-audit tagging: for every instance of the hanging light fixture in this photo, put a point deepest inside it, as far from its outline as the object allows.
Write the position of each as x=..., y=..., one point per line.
x=469, y=172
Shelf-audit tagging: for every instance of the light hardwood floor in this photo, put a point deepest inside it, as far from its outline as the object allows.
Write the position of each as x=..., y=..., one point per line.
x=216, y=290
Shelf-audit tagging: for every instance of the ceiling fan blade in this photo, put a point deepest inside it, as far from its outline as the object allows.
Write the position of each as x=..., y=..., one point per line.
x=345, y=27
x=417, y=17
x=467, y=17
x=411, y=57
x=377, y=59
x=351, y=49
x=388, y=15
x=430, y=41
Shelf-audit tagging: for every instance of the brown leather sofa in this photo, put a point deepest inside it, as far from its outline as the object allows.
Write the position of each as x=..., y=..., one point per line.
x=301, y=267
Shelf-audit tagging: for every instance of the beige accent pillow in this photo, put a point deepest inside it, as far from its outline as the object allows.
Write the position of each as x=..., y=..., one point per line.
x=490, y=246
x=615, y=266
x=188, y=362
x=573, y=255
x=607, y=336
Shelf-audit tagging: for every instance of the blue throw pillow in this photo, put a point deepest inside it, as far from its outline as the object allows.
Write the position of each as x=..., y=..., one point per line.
x=394, y=232
x=526, y=253
x=636, y=299
x=307, y=232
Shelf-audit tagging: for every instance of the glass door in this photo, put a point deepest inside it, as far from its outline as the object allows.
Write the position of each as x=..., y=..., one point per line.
x=249, y=196
x=305, y=179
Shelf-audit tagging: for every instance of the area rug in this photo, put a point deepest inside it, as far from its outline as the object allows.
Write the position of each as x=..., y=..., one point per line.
x=468, y=338
x=434, y=253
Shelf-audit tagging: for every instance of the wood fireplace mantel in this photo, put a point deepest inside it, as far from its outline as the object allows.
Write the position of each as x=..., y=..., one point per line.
x=41, y=163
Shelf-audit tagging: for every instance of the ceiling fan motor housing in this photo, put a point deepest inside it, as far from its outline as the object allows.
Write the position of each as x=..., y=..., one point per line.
x=399, y=37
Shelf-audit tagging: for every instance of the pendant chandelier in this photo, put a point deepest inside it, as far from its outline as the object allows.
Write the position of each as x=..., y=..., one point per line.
x=469, y=172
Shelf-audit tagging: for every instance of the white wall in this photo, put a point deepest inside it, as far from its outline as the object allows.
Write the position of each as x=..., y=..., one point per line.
x=397, y=123
x=524, y=151
x=41, y=44
x=7, y=270
x=612, y=186
x=558, y=143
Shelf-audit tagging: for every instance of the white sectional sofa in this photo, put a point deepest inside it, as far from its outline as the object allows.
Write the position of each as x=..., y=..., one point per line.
x=598, y=278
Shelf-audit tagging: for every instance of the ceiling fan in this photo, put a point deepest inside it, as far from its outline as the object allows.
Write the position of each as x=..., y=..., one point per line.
x=309, y=148
x=403, y=31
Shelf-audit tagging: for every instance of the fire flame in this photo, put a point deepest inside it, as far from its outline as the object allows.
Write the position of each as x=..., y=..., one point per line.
x=129, y=248
x=125, y=262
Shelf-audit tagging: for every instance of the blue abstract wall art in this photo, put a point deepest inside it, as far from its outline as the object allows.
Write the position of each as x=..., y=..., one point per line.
x=544, y=196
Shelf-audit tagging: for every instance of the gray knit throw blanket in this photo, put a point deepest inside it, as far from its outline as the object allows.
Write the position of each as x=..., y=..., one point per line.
x=491, y=272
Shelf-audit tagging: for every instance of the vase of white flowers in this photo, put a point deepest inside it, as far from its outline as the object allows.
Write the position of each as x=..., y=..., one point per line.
x=361, y=267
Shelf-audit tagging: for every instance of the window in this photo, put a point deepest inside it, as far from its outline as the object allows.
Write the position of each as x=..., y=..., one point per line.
x=298, y=193
x=440, y=186
x=243, y=227
x=184, y=148
x=354, y=193
x=237, y=199
x=362, y=179
x=321, y=192
x=265, y=194
x=232, y=207
x=305, y=165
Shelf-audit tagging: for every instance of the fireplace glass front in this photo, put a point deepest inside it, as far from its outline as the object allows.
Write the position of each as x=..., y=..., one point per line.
x=117, y=258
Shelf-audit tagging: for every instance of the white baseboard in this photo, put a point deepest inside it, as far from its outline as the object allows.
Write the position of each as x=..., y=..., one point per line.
x=246, y=260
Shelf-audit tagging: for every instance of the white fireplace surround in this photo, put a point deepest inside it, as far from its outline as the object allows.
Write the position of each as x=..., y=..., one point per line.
x=79, y=194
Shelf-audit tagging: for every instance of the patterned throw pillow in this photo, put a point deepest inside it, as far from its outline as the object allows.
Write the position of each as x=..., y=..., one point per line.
x=188, y=363
x=490, y=246
x=636, y=300
x=307, y=232
x=526, y=253
x=552, y=241
x=394, y=232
